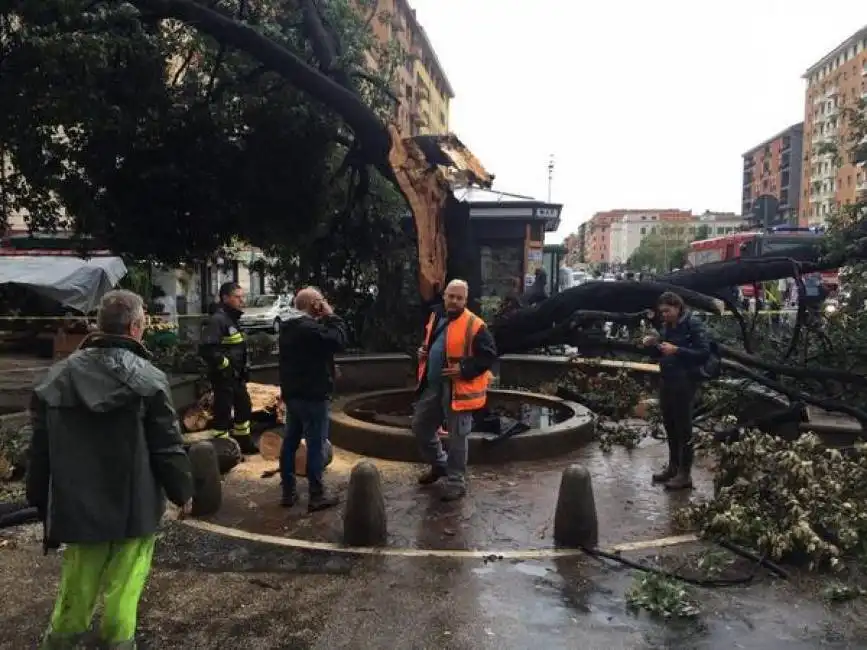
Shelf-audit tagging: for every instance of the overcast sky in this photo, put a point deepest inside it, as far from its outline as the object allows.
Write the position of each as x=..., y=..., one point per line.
x=644, y=104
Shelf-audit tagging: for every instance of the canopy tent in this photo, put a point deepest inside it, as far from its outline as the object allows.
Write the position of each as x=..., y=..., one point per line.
x=73, y=282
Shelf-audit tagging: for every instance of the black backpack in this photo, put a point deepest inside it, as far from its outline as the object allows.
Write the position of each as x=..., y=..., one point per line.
x=712, y=367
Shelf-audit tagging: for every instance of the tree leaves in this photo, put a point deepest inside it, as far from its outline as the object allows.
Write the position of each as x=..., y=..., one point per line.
x=127, y=129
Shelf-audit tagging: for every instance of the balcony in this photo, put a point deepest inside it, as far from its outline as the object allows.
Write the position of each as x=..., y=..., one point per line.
x=832, y=92
x=418, y=117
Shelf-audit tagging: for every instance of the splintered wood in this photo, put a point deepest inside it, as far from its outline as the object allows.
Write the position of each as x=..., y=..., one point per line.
x=427, y=187
x=264, y=398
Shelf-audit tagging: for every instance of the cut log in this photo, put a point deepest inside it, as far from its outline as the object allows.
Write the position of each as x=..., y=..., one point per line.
x=264, y=398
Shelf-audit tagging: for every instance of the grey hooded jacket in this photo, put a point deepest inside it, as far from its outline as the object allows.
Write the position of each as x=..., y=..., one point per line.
x=106, y=445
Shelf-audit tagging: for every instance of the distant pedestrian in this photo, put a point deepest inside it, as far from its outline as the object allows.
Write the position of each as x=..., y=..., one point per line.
x=539, y=290
x=105, y=453
x=683, y=348
x=308, y=343
x=454, y=371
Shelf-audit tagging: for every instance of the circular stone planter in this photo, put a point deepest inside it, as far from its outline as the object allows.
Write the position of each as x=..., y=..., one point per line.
x=558, y=427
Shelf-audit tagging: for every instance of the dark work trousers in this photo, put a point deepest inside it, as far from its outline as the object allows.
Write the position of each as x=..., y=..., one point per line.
x=230, y=398
x=676, y=403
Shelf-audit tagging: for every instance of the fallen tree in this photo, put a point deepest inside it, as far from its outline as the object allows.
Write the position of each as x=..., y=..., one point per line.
x=425, y=170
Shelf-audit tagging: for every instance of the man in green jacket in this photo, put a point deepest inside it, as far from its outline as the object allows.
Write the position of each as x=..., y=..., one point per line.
x=106, y=451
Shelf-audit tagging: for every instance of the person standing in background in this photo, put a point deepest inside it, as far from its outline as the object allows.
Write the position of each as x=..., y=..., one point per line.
x=308, y=343
x=683, y=348
x=105, y=453
x=454, y=372
x=224, y=349
x=539, y=291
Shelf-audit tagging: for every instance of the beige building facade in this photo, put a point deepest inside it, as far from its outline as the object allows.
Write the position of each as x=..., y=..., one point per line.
x=836, y=82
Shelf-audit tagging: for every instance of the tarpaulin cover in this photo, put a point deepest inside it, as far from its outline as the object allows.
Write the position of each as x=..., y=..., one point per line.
x=71, y=281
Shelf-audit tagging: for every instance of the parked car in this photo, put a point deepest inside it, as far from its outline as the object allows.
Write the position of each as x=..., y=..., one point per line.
x=267, y=312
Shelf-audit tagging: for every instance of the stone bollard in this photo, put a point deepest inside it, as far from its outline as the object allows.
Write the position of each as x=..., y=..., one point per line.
x=575, y=521
x=364, y=519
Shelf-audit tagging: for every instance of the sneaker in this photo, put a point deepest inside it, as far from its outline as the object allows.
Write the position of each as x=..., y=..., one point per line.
x=453, y=493
x=434, y=474
x=320, y=502
x=667, y=473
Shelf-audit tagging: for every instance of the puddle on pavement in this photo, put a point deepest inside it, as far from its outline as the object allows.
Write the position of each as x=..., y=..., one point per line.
x=531, y=569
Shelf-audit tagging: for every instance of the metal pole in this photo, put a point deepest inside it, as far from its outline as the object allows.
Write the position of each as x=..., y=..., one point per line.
x=550, y=175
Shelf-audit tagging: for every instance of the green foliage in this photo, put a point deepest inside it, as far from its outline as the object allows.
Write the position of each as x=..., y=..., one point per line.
x=839, y=593
x=158, y=141
x=659, y=252
x=703, y=232
x=663, y=597
x=795, y=500
x=619, y=399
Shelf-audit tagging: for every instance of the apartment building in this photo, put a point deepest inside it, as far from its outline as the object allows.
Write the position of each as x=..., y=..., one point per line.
x=773, y=169
x=610, y=238
x=837, y=81
x=423, y=89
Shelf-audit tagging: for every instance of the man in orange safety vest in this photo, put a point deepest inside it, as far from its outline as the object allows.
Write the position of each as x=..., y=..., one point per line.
x=454, y=370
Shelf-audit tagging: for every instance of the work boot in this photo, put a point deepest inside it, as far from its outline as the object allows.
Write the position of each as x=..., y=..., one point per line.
x=434, y=474
x=245, y=442
x=290, y=497
x=453, y=492
x=668, y=472
x=681, y=481
x=321, y=501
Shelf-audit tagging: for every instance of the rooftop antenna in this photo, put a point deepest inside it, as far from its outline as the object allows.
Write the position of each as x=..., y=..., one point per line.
x=550, y=175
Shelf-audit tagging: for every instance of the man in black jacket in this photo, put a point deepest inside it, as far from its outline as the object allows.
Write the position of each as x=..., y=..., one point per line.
x=106, y=451
x=224, y=349
x=684, y=348
x=308, y=343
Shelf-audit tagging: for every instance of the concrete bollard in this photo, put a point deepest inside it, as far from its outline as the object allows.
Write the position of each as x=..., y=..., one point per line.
x=364, y=521
x=575, y=521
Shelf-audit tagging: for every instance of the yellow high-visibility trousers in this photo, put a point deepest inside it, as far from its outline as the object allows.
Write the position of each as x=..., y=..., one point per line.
x=116, y=571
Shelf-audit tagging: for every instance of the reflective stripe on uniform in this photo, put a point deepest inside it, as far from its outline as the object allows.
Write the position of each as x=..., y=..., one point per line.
x=224, y=363
x=232, y=339
x=241, y=428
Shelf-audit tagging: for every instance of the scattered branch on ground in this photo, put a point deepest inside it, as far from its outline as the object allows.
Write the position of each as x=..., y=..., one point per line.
x=798, y=500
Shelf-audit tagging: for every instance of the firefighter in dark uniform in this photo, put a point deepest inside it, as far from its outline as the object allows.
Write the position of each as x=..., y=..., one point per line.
x=224, y=349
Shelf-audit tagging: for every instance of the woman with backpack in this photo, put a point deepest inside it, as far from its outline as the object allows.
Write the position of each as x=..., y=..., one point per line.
x=685, y=355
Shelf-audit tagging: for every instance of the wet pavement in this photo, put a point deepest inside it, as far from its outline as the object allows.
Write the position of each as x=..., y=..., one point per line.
x=508, y=507
x=209, y=592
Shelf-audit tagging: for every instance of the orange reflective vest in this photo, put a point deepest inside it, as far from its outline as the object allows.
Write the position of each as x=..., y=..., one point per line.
x=467, y=394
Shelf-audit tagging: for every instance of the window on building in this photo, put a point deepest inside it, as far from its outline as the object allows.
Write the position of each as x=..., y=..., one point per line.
x=643, y=230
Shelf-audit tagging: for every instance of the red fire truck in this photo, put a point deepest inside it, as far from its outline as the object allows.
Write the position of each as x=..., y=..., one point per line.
x=757, y=243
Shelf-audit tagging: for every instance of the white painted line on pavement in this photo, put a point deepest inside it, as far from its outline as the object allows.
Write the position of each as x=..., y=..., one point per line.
x=511, y=554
